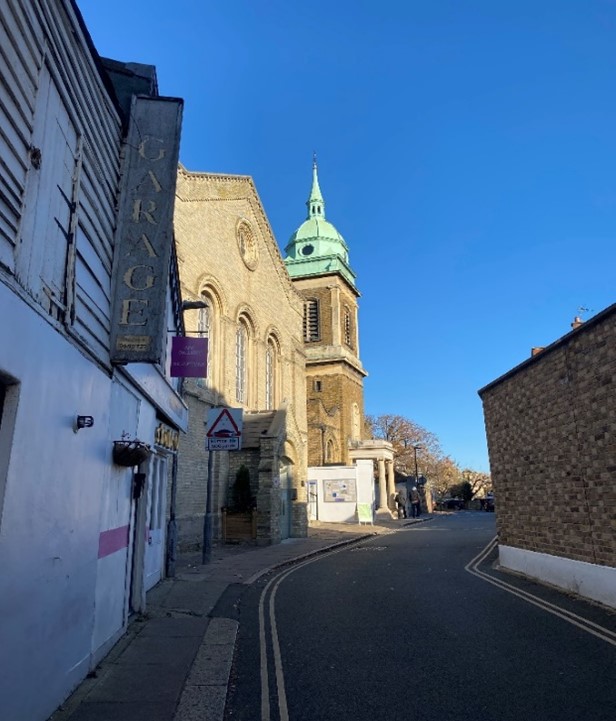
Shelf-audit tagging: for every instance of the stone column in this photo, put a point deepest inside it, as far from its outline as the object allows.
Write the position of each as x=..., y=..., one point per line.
x=391, y=485
x=382, y=486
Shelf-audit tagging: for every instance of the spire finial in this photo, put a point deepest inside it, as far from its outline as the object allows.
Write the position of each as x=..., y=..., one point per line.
x=315, y=203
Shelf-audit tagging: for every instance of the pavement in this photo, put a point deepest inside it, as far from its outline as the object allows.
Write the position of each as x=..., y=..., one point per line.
x=174, y=661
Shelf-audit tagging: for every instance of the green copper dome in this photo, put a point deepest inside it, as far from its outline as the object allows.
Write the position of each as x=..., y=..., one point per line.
x=317, y=247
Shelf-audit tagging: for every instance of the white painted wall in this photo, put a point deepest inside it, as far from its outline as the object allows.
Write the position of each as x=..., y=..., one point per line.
x=342, y=512
x=63, y=602
x=49, y=530
x=365, y=482
x=116, y=511
x=585, y=579
x=61, y=606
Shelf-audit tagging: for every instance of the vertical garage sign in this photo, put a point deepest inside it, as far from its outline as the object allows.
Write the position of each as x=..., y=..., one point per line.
x=145, y=233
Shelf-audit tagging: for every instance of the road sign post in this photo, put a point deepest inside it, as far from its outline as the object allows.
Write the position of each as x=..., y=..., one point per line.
x=223, y=433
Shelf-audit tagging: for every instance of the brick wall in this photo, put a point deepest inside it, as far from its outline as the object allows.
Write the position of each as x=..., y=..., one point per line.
x=551, y=429
x=334, y=375
x=330, y=410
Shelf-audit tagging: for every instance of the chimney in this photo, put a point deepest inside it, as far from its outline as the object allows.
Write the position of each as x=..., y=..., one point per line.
x=577, y=322
x=534, y=351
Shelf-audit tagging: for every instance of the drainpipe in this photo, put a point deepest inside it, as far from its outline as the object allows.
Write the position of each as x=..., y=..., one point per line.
x=172, y=527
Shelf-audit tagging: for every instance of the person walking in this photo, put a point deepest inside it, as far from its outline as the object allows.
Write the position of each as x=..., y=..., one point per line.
x=415, y=503
x=400, y=504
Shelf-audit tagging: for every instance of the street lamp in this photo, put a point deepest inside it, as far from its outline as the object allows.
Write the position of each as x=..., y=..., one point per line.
x=416, y=447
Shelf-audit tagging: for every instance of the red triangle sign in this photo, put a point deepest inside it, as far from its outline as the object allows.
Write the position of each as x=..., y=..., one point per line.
x=224, y=426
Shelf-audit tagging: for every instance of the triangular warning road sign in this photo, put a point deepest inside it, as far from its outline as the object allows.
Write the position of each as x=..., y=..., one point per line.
x=224, y=426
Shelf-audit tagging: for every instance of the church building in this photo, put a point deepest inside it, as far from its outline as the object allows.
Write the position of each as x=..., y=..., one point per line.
x=251, y=315
x=317, y=259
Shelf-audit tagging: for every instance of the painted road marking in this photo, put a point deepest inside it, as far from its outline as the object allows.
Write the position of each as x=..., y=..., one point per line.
x=278, y=668
x=605, y=634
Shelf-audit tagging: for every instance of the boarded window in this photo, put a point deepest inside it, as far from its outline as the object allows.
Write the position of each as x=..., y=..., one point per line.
x=311, y=320
x=47, y=233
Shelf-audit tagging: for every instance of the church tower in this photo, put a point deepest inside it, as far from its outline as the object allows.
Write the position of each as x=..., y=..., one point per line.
x=318, y=263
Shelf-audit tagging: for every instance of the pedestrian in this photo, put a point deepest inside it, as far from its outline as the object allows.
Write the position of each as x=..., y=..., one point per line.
x=400, y=505
x=415, y=503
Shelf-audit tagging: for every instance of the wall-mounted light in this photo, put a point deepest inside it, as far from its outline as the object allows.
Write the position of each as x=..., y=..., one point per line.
x=83, y=422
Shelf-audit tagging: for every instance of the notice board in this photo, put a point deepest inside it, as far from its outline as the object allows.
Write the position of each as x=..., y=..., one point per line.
x=340, y=490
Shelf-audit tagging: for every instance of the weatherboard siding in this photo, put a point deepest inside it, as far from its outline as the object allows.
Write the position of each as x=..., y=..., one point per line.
x=47, y=71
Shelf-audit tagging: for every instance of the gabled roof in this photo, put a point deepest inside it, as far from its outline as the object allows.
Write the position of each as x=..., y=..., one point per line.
x=583, y=328
x=220, y=187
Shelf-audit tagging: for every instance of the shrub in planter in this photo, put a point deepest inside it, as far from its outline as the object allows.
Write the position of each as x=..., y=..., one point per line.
x=242, y=497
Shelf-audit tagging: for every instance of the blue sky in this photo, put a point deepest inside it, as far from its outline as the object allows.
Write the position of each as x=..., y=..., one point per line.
x=467, y=153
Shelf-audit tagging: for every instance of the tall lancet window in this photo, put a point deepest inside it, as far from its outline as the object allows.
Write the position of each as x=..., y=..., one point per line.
x=329, y=452
x=204, y=328
x=270, y=376
x=241, y=350
x=355, y=422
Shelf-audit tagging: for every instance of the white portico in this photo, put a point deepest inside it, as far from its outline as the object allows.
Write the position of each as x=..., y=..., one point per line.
x=381, y=452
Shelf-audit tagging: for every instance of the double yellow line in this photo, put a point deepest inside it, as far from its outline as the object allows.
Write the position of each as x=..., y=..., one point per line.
x=270, y=602
x=585, y=624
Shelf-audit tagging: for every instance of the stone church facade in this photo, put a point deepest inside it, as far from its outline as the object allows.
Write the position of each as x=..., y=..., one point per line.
x=230, y=261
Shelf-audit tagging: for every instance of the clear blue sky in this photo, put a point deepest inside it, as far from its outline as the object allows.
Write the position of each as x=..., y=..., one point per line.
x=467, y=153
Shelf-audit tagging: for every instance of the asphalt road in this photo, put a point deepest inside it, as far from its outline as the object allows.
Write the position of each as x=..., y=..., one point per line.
x=407, y=626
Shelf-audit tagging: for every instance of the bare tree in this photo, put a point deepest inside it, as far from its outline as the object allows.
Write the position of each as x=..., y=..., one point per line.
x=480, y=483
x=409, y=439
x=443, y=474
x=404, y=434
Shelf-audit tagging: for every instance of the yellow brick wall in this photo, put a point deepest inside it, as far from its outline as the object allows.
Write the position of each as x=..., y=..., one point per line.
x=551, y=429
x=336, y=367
x=208, y=210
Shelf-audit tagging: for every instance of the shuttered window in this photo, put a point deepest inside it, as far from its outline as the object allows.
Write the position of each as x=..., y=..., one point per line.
x=311, y=320
x=348, y=335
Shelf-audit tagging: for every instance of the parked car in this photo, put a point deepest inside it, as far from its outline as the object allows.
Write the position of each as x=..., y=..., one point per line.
x=450, y=504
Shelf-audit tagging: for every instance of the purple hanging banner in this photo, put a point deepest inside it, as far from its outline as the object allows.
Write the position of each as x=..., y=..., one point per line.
x=188, y=357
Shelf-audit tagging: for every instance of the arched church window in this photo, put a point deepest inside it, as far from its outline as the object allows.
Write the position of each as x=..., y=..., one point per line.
x=204, y=328
x=355, y=423
x=329, y=452
x=271, y=375
x=241, y=353
x=311, y=320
